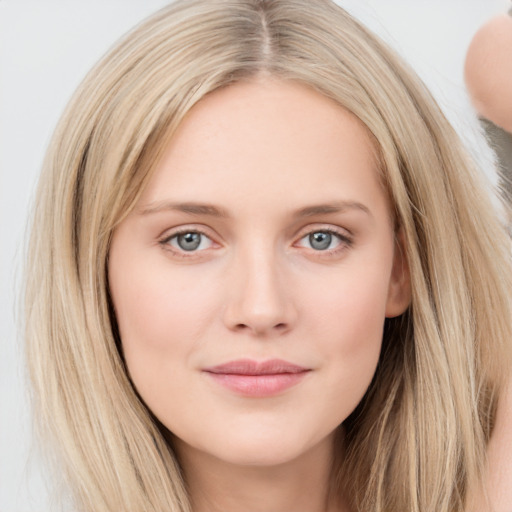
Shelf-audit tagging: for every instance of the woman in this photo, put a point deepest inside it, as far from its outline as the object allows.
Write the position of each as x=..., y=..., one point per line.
x=266, y=285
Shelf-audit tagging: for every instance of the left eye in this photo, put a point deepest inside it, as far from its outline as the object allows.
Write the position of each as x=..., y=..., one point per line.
x=321, y=240
x=189, y=241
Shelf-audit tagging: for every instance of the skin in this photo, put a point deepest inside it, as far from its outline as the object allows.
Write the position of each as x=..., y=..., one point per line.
x=488, y=71
x=500, y=455
x=260, y=152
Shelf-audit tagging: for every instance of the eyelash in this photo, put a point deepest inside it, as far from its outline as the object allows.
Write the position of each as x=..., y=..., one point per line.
x=181, y=253
x=345, y=242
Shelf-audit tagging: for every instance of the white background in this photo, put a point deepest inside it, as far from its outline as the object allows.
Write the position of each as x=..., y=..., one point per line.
x=46, y=47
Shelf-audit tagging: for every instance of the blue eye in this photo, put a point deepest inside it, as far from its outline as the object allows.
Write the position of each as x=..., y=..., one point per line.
x=320, y=240
x=189, y=241
x=323, y=240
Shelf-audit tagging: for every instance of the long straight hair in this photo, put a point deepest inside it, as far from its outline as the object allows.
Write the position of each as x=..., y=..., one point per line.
x=417, y=440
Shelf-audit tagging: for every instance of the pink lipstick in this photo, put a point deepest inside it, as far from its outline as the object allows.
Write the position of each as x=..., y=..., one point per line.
x=257, y=379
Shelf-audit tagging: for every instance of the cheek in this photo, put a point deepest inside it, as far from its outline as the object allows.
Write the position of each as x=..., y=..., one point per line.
x=160, y=316
x=351, y=316
x=350, y=305
x=155, y=303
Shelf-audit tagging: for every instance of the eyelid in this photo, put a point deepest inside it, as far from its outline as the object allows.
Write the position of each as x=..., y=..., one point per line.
x=186, y=228
x=344, y=235
x=169, y=234
x=327, y=228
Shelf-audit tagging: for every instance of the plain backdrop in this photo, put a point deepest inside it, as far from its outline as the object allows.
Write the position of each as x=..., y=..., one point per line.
x=47, y=46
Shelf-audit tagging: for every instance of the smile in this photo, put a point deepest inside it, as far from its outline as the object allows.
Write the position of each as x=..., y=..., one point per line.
x=257, y=379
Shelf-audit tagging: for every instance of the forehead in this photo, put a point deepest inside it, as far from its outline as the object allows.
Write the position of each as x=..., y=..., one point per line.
x=265, y=139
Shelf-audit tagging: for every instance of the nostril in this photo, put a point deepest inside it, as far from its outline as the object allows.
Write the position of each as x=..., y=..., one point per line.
x=278, y=327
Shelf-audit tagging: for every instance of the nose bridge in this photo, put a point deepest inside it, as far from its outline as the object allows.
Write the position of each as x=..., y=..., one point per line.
x=259, y=301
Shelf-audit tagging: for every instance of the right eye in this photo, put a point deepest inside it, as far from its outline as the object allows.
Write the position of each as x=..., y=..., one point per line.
x=188, y=241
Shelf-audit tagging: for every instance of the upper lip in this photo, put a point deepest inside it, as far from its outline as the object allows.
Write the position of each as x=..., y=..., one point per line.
x=250, y=367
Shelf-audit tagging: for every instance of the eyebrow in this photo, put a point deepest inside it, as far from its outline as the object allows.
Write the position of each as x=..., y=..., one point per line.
x=189, y=207
x=335, y=207
x=193, y=208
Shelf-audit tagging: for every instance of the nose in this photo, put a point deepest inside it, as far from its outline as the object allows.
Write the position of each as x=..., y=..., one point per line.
x=260, y=299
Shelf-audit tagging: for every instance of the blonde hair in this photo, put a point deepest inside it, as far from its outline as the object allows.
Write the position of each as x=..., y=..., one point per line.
x=417, y=440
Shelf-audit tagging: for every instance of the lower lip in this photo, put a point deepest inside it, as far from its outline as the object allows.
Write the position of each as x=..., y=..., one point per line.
x=258, y=385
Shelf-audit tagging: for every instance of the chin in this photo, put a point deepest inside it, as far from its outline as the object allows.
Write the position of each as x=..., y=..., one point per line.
x=260, y=450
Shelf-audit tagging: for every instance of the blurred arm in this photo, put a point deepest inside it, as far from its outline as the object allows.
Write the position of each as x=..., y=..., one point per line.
x=488, y=71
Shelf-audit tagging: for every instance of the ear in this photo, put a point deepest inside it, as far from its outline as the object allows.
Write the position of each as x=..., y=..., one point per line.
x=399, y=291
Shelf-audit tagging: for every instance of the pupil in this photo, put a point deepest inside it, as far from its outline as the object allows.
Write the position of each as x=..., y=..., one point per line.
x=189, y=241
x=320, y=240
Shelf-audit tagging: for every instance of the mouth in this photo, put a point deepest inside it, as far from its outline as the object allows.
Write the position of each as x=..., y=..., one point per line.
x=257, y=379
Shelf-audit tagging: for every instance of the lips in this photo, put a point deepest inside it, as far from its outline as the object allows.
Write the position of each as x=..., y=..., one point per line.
x=257, y=379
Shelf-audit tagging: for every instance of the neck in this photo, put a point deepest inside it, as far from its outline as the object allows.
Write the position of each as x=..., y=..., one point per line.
x=301, y=485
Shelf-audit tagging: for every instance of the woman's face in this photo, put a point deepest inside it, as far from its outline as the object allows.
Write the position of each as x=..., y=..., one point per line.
x=252, y=280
